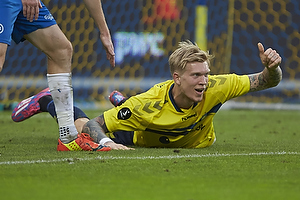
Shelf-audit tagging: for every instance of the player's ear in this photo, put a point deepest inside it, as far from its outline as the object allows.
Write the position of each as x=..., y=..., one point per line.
x=176, y=78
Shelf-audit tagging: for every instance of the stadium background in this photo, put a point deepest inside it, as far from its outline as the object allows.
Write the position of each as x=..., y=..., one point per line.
x=145, y=32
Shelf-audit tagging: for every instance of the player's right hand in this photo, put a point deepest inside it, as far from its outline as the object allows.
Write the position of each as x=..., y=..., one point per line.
x=115, y=146
x=109, y=48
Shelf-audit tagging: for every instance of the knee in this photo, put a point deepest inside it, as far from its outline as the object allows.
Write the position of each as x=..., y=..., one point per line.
x=69, y=49
x=60, y=57
x=60, y=53
x=65, y=50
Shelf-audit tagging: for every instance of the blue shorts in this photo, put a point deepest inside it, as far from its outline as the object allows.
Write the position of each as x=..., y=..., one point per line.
x=13, y=25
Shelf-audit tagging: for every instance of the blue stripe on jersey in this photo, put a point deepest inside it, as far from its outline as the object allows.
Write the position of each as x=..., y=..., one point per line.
x=173, y=101
x=186, y=130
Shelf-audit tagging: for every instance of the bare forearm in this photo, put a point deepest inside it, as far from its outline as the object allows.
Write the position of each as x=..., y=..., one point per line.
x=266, y=79
x=96, y=128
x=271, y=75
x=95, y=9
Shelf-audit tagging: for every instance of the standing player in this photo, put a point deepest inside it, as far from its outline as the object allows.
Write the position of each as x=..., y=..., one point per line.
x=177, y=113
x=30, y=20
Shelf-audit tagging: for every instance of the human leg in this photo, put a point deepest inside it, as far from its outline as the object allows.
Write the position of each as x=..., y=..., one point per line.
x=59, y=50
x=3, y=48
x=29, y=107
x=8, y=14
x=80, y=118
x=47, y=36
x=43, y=102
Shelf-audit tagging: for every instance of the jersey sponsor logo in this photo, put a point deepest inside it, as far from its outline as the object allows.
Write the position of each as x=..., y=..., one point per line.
x=200, y=127
x=124, y=113
x=1, y=28
x=188, y=117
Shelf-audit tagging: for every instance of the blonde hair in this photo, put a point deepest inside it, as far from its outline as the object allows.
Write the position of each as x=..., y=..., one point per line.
x=185, y=53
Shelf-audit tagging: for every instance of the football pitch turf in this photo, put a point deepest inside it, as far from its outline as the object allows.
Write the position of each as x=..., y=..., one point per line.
x=256, y=156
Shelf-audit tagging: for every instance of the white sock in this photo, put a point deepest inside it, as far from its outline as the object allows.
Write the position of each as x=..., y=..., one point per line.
x=62, y=93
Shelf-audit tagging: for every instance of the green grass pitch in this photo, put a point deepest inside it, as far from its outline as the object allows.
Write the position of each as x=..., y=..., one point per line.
x=256, y=156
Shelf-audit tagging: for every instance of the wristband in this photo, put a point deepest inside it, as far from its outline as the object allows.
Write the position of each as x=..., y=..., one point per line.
x=104, y=140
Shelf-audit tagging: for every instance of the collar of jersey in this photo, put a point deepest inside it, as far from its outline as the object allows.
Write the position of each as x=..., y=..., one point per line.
x=173, y=101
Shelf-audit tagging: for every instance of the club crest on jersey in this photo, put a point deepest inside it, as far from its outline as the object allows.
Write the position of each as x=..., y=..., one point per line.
x=1, y=28
x=124, y=113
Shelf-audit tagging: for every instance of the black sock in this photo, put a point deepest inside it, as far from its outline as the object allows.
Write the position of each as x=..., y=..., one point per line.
x=78, y=113
x=44, y=101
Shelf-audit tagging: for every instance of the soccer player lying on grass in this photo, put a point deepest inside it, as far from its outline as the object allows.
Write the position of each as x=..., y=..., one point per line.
x=176, y=113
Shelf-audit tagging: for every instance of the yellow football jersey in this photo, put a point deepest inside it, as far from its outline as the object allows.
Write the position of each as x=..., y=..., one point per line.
x=158, y=122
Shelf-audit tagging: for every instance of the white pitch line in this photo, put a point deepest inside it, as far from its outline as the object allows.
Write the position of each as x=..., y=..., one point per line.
x=72, y=160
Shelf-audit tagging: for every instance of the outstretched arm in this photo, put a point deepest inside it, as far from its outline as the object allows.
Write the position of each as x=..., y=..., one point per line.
x=96, y=128
x=271, y=75
x=95, y=9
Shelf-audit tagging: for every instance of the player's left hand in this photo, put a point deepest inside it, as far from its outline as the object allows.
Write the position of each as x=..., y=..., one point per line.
x=269, y=58
x=109, y=48
x=31, y=9
x=115, y=146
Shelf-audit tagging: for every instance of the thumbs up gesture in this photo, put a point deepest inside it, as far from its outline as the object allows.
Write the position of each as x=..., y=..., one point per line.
x=269, y=58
